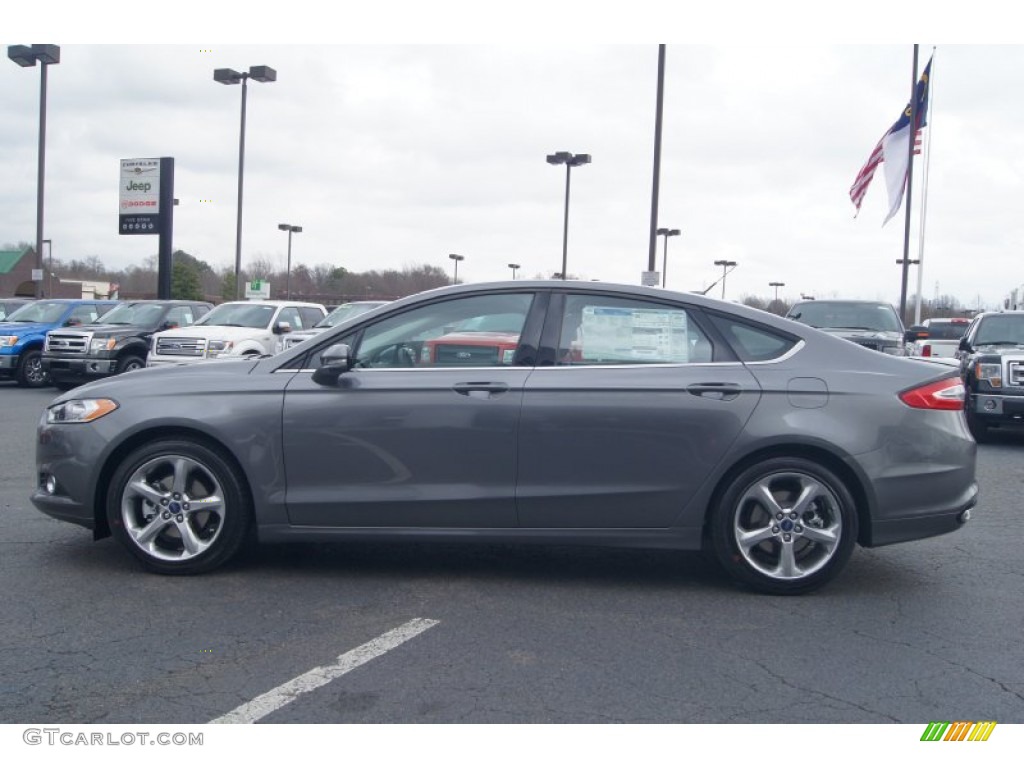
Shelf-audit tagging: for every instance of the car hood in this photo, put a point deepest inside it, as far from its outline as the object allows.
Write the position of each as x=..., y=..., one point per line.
x=175, y=378
x=21, y=329
x=1000, y=349
x=109, y=330
x=228, y=332
x=860, y=333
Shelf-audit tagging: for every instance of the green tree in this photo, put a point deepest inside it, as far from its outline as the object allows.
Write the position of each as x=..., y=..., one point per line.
x=185, y=282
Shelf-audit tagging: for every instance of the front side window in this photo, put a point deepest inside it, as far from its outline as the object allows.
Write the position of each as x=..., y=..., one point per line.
x=603, y=330
x=473, y=332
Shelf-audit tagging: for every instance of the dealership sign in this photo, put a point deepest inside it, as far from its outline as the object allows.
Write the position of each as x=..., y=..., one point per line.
x=139, y=197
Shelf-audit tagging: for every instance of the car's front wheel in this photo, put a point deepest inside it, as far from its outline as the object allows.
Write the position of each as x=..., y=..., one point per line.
x=784, y=526
x=30, y=370
x=178, y=506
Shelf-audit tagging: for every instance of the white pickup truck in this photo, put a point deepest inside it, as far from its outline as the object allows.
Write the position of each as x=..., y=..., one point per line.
x=233, y=330
x=939, y=336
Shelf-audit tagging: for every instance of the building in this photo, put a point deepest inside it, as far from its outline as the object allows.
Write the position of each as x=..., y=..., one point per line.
x=16, y=280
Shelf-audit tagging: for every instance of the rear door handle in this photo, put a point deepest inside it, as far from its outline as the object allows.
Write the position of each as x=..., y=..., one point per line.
x=716, y=390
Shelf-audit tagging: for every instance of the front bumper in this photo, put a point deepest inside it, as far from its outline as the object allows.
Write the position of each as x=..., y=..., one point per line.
x=78, y=369
x=997, y=407
x=8, y=365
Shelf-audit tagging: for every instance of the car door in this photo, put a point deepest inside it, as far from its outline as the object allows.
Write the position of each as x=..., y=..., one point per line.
x=636, y=405
x=405, y=441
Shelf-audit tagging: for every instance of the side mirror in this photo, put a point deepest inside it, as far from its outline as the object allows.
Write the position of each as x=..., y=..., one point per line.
x=71, y=322
x=334, y=361
x=282, y=326
x=964, y=345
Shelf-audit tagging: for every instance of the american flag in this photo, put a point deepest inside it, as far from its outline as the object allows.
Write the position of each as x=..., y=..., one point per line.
x=894, y=141
x=864, y=176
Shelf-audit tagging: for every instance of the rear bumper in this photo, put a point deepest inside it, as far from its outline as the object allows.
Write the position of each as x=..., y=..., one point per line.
x=896, y=529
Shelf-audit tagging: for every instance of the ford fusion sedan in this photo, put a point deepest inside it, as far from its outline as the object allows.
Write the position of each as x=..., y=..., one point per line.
x=624, y=416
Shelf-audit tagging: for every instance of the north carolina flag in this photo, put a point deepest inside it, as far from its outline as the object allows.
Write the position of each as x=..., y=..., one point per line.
x=892, y=149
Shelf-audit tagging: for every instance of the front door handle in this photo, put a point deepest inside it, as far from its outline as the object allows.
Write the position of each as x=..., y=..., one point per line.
x=716, y=390
x=481, y=388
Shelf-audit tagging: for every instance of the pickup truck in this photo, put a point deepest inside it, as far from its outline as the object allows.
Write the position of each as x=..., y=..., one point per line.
x=991, y=356
x=23, y=334
x=872, y=324
x=937, y=336
x=235, y=329
x=116, y=343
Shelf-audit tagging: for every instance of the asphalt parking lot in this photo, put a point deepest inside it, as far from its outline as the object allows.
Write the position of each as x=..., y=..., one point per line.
x=912, y=633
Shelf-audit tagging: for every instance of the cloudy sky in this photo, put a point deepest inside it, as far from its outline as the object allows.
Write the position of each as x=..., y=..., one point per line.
x=399, y=149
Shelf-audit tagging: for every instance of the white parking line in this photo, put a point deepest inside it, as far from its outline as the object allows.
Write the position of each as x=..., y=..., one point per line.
x=274, y=699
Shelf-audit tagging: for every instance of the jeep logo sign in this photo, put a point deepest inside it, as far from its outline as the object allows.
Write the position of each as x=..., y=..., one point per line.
x=139, y=197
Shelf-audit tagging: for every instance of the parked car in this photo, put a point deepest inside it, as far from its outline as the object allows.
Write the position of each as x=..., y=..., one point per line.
x=626, y=416
x=872, y=324
x=116, y=343
x=234, y=329
x=937, y=336
x=9, y=305
x=336, y=316
x=23, y=334
x=991, y=356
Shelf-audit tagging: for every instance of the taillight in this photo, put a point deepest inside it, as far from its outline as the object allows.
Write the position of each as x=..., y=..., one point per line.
x=926, y=350
x=944, y=395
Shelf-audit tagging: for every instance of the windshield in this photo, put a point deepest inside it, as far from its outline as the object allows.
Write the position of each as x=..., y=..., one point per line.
x=947, y=331
x=846, y=314
x=346, y=312
x=243, y=315
x=132, y=314
x=38, y=312
x=1000, y=329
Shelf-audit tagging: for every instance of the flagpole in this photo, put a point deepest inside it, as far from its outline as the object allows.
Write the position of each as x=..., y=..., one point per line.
x=905, y=262
x=924, y=189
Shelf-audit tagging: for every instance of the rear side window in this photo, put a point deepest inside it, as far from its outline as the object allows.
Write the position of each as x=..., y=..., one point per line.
x=752, y=342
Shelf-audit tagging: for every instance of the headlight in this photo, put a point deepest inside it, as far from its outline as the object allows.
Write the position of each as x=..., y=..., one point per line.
x=99, y=345
x=219, y=348
x=79, y=411
x=8, y=341
x=990, y=372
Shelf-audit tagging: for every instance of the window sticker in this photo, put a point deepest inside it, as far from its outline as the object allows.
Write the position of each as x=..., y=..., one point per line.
x=622, y=334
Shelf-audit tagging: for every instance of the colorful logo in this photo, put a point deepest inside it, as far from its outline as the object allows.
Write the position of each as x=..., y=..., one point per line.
x=959, y=731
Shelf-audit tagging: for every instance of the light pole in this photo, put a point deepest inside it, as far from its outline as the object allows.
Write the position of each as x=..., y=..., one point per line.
x=289, y=228
x=27, y=56
x=570, y=161
x=727, y=267
x=664, y=259
x=776, y=286
x=261, y=74
x=513, y=267
x=49, y=269
x=456, y=258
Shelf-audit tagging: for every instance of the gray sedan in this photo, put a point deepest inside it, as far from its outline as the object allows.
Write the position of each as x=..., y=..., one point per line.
x=598, y=413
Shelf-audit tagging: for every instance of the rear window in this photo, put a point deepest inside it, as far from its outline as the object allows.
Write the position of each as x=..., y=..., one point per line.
x=946, y=331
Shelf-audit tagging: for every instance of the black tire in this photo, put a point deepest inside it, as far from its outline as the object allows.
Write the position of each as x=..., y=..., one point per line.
x=762, y=540
x=978, y=428
x=30, y=370
x=164, y=527
x=129, y=363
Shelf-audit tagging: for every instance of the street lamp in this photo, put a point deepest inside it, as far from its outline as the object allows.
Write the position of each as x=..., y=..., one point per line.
x=727, y=267
x=776, y=286
x=664, y=259
x=513, y=267
x=27, y=56
x=456, y=258
x=261, y=74
x=289, y=228
x=570, y=161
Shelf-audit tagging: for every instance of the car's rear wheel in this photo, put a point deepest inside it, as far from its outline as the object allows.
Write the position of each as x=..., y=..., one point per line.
x=784, y=526
x=178, y=506
x=30, y=370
